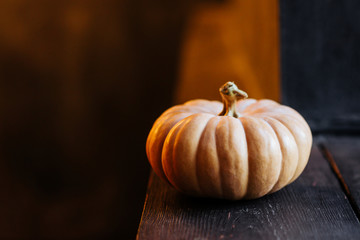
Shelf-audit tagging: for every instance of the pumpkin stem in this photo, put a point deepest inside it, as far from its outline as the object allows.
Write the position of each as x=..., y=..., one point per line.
x=230, y=94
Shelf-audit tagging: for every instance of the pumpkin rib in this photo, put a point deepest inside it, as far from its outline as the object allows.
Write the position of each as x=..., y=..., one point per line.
x=219, y=159
x=186, y=143
x=297, y=148
x=232, y=157
x=160, y=122
x=196, y=102
x=176, y=141
x=184, y=108
x=217, y=155
x=295, y=145
x=242, y=105
x=264, y=161
x=161, y=129
x=192, y=109
x=285, y=162
x=168, y=152
x=174, y=109
x=285, y=110
x=150, y=144
x=302, y=159
x=205, y=163
x=281, y=153
x=200, y=191
x=219, y=147
x=226, y=194
x=217, y=107
x=278, y=115
x=249, y=162
x=246, y=160
x=260, y=106
x=202, y=105
x=292, y=112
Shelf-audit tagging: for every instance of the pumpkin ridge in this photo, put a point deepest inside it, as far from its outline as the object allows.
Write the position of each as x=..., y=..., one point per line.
x=155, y=157
x=232, y=156
x=193, y=110
x=241, y=105
x=277, y=116
x=184, y=108
x=228, y=128
x=198, y=153
x=249, y=162
x=199, y=104
x=297, y=121
x=266, y=118
x=259, y=104
x=264, y=106
x=174, y=109
x=218, y=157
x=150, y=141
x=289, y=112
x=173, y=156
x=169, y=172
x=250, y=105
x=251, y=126
x=296, y=145
x=282, y=157
x=180, y=141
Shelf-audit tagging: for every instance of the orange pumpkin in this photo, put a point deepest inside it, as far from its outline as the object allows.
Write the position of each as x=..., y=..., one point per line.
x=243, y=148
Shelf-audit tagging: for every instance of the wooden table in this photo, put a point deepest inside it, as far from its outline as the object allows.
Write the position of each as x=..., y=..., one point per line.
x=323, y=203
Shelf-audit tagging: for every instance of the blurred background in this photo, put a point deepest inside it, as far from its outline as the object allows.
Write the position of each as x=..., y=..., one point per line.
x=81, y=83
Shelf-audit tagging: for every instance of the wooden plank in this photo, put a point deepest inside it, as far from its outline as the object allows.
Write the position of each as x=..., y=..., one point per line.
x=345, y=151
x=314, y=206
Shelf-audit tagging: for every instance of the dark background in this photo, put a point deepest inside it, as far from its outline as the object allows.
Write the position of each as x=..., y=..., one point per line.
x=82, y=81
x=81, y=84
x=320, y=62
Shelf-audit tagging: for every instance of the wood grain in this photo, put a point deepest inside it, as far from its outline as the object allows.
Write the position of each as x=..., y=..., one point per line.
x=345, y=151
x=314, y=206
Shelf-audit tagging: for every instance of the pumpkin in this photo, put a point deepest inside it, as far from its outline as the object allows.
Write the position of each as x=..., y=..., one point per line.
x=239, y=149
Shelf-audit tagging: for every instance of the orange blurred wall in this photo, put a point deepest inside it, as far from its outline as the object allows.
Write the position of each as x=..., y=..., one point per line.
x=231, y=41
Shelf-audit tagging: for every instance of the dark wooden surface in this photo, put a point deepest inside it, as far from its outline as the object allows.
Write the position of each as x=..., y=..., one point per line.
x=320, y=62
x=313, y=207
x=345, y=151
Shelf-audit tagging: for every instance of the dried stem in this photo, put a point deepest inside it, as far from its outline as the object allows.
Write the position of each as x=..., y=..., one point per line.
x=230, y=95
